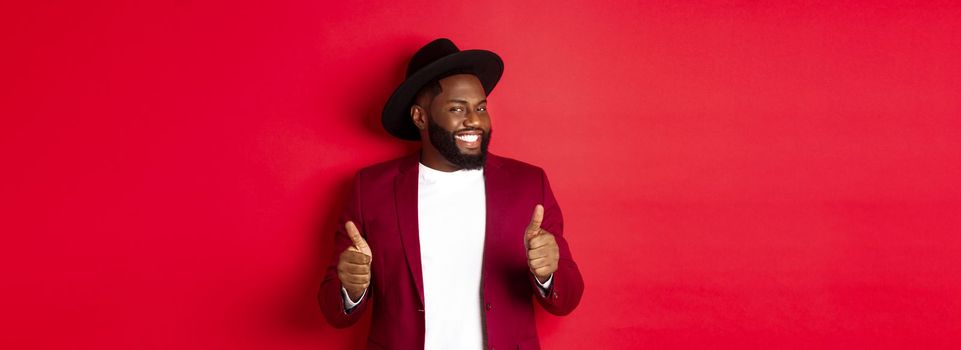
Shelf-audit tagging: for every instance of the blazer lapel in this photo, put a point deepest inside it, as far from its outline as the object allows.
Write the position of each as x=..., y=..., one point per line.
x=405, y=199
x=496, y=193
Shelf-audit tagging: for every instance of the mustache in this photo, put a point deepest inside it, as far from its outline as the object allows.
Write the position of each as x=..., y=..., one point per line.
x=469, y=129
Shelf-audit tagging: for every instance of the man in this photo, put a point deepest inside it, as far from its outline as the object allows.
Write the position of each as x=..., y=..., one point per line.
x=449, y=246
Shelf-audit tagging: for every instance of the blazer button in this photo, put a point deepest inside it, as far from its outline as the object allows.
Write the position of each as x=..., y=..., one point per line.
x=489, y=306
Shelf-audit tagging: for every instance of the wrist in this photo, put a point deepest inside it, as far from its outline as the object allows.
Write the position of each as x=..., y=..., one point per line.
x=355, y=293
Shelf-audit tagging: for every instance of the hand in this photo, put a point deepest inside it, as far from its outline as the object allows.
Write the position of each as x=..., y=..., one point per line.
x=353, y=269
x=542, y=250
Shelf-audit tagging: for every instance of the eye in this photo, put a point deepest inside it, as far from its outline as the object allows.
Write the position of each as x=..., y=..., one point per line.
x=456, y=109
x=482, y=109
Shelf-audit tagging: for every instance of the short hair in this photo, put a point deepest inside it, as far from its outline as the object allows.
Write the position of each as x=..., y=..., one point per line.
x=433, y=88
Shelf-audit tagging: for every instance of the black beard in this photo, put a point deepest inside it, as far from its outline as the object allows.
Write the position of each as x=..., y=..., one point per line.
x=445, y=143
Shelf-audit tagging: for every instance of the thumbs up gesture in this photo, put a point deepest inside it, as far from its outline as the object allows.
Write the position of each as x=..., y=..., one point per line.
x=542, y=250
x=353, y=269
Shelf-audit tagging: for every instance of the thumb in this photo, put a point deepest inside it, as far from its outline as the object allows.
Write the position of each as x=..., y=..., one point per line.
x=534, y=228
x=355, y=237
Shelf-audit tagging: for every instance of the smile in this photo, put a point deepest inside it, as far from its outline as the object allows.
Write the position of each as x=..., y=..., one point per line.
x=470, y=138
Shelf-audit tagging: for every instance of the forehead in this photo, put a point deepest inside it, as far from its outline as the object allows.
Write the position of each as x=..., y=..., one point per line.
x=462, y=86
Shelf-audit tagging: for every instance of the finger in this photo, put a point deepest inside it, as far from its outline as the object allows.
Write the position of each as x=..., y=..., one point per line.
x=354, y=279
x=539, y=262
x=538, y=253
x=541, y=240
x=536, y=219
x=351, y=285
x=353, y=256
x=354, y=235
x=355, y=269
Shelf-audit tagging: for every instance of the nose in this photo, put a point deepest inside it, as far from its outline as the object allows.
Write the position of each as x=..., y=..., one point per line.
x=473, y=119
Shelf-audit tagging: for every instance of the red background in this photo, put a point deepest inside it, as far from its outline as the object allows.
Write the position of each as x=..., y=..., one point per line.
x=733, y=174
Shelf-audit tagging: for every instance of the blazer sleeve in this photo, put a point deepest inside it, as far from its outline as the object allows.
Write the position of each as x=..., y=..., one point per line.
x=567, y=287
x=330, y=297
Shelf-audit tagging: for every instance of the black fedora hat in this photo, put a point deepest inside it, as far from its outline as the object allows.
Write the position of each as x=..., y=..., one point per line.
x=431, y=61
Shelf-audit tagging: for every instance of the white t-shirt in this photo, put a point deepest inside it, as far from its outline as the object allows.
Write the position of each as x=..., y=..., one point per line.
x=452, y=214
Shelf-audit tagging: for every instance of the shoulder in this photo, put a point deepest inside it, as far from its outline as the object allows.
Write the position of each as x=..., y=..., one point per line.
x=387, y=166
x=514, y=167
x=386, y=170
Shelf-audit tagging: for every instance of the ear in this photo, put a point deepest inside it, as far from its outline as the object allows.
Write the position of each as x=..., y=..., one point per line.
x=419, y=116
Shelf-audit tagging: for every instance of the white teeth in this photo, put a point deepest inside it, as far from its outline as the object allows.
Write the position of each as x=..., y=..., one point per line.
x=468, y=138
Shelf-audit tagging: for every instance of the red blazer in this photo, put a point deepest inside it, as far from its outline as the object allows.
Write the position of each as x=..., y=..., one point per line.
x=383, y=205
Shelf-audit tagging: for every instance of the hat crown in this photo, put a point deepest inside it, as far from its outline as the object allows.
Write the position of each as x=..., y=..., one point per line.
x=431, y=52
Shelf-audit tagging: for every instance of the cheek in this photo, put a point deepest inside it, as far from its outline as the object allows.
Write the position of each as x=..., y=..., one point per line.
x=445, y=120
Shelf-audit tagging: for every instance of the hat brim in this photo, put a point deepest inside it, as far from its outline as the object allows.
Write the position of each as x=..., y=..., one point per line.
x=396, y=115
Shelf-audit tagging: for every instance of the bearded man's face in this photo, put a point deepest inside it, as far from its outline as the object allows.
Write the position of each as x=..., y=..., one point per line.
x=458, y=124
